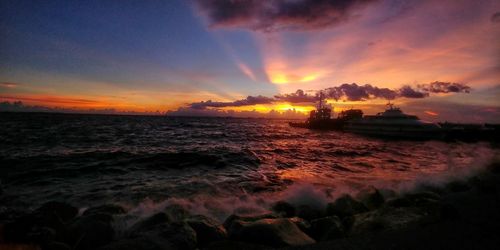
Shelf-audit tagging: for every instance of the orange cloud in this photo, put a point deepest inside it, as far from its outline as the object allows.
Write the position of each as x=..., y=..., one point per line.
x=8, y=84
x=431, y=113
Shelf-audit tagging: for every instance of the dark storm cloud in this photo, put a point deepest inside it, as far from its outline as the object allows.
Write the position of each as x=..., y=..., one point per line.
x=298, y=97
x=445, y=87
x=275, y=15
x=409, y=92
x=496, y=17
x=355, y=92
x=345, y=92
x=250, y=100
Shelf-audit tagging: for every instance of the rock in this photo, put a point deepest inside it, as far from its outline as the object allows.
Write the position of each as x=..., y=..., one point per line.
x=207, y=230
x=55, y=245
x=458, y=186
x=20, y=229
x=494, y=167
x=387, y=218
x=345, y=206
x=228, y=223
x=399, y=202
x=308, y=212
x=140, y=243
x=271, y=232
x=179, y=235
x=176, y=212
x=284, y=208
x=484, y=184
x=303, y=225
x=327, y=228
x=231, y=245
x=149, y=223
x=449, y=212
x=110, y=209
x=371, y=198
x=91, y=231
x=63, y=211
x=422, y=196
x=388, y=193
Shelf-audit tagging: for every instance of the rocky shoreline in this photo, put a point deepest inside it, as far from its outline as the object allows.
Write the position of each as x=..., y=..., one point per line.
x=461, y=214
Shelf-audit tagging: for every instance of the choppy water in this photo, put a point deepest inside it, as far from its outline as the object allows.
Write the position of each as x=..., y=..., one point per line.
x=211, y=165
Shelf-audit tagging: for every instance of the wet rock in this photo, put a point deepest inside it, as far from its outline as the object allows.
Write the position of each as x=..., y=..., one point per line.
x=148, y=223
x=228, y=223
x=179, y=235
x=270, y=232
x=388, y=193
x=207, y=230
x=449, y=212
x=110, y=209
x=91, y=231
x=231, y=245
x=423, y=197
x=494, y=167
x=399, y=202
x=345, y=206
x=142, y=243
x=284, y=208
x=327, y=228
x=371, y=198
x=387, y=218
x=303, y=225
x=309, y=213
x=484, y=184
x=458, y=186
x=20, y=229
x=55, y=245
x=176, y=212
x=63, y=211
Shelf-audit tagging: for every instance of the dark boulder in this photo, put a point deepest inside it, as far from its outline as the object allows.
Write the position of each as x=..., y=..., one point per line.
x=327, y=228
x=303, y=225
x=399, y=202
x=207, y=230
x=148, y=223
x=387, y=218
x=371, y=198
x=284, y=208
x=110, y=209
x=231, y=245
x=176, y=212
x=61, y=210
x=309, y=212
x=458, y=186
x=345, y=206
x=228, y=223
x=271, y=232
x=91, y=231
x=55, y=245
x=179, y=235
x=139, y=243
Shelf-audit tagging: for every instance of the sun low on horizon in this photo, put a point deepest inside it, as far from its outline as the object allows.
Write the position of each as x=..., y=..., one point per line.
x=435, y=59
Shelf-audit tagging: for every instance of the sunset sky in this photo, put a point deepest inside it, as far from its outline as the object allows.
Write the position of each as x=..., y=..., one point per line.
x=148, y=56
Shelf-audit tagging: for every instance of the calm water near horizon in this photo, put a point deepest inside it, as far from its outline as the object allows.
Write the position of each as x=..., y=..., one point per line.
x=213, y=166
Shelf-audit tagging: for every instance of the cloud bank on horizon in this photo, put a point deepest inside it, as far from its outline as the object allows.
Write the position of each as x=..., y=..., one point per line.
x=344, y=92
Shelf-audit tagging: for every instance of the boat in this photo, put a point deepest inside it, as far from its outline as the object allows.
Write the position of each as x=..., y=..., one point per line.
x=393, y=123
x=321, y=118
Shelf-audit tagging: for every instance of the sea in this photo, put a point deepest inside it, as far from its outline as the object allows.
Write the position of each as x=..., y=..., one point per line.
x=210, y=166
